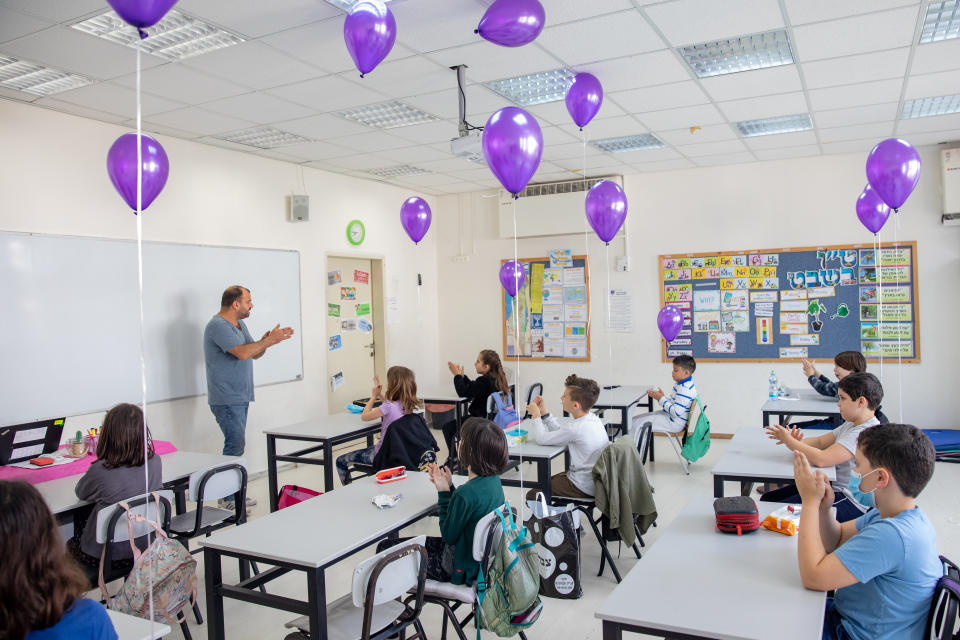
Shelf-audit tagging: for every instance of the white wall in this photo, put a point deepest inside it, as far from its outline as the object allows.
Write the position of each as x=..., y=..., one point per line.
x=765, y=205
x=53, y=180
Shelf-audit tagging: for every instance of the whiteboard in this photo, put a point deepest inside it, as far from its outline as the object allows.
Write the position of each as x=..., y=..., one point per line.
x=70, y=330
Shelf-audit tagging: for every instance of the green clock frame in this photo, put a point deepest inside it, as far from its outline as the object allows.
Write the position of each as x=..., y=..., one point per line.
x=363, y=232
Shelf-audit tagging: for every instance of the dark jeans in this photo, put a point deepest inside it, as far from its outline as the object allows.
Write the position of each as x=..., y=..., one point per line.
x=788, y=494
x=232, y=419
x=833, y=624
x=435, y=547
x=449, y=431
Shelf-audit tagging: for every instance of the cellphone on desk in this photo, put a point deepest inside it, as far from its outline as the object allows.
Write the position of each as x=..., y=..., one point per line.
x=391, y=475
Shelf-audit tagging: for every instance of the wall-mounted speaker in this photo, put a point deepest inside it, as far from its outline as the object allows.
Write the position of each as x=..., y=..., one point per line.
x=299, y=208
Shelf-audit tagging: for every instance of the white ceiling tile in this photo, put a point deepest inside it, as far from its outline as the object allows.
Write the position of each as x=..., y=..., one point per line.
x=644, y=70
x=428, y=132
x=936, y=56
x=669, y=96
x=446, y=165
x=856, y=115
x=177, y=82
x=77, y=110
x=928, y=85
x=746, y=84
x=258, y=107
x=420, y=153
x=725, y=159
x=556, y=136
x=321, y=126
x=647, y=155
x=444, y=103
x=199, y=121
x=460, y=187
x=663, y=165
x=850, y=146
x=426, y=179
x=561, y=11
x=608, y=169
x=57, y=10
x=254, y=65
x=574, y=150
x=879, y=65
x=709, y=133
x=279, y=155
x=927, y=125
x=610, y=36
x=806, y=151
x=362, y=162
x=861, y=34
x=487, y=61
x=615, y=128
x=428, y=26
x=556, y=112
x=19, y=96
x=764, y=107
x=225, y=144
x=692, y=21
x=315, y=150
x=155, y=129
x=472, y=171
x=698, y=116
x=712, y=148
x=106, y=96
x=255, y=19
x=594, y=166
x=780, y=140
x=853, y=95
x=70, y=50
x=14, y=24
x=330, y=93
x=804, y=11
x=949, y=139
x=369, y=142
x=408, y=77
x=879, y=130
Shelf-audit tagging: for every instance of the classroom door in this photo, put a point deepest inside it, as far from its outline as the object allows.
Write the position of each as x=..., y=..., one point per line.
x=351, y=344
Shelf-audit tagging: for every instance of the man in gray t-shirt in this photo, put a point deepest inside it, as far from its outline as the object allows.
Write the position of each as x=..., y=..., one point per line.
x=229, y=351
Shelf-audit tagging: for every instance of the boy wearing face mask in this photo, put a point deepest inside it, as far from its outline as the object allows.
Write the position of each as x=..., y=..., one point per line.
x=883, y=565
x=859, y=396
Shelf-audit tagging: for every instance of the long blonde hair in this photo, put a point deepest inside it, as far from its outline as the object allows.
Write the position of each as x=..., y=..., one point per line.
x=402, y=388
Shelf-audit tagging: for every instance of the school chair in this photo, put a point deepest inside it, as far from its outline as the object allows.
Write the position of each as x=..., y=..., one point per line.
x=451, y=597
x=533, y=390
x=678, y=436
x=943, y=622
x=408, y=443
x=373, y=610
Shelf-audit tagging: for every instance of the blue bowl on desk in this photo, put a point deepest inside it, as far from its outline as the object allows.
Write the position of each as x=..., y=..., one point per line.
x=352, y=408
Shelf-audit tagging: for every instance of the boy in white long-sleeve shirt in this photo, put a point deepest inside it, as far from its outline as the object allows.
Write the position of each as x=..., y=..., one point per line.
x=675, y=410
x=583, y=434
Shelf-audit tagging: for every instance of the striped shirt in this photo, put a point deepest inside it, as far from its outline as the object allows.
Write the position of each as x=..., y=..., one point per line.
x=681, y=398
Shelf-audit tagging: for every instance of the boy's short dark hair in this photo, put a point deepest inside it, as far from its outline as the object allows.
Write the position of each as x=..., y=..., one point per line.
x=863, y=385
x=483, y=447
x=686, y=362
x=851, y=361
x=903, y=450
x=583, y=391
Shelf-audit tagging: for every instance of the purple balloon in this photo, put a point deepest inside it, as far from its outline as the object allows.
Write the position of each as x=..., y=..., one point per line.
x=512, y=23
x=122, y=168
x=141, y=13
x=512, y=145
x=369, y=31
x=512, y=277
x=669, y=321
x=893, y=170
x=606, y=209
x=584, y=97
x=872, y=210
x=415, y=216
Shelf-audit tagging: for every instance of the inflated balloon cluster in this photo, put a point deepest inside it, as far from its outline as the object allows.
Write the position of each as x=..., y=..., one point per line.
x=893, y=170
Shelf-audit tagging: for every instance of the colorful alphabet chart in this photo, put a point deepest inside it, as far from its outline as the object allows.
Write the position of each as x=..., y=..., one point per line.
x=550, y=317
x=788, y=304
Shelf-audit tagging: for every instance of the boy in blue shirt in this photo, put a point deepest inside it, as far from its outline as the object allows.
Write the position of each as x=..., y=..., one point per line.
x=884, y=564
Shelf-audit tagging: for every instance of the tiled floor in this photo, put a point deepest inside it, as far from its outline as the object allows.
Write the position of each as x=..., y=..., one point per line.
x=561, y=618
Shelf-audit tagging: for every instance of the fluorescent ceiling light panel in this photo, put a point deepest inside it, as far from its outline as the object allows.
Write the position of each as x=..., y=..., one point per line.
x=629, y=143
x=745, y=53
x=347, y=4
x=770, y=126
x=37, y=79
x=536, y=88
x=936, y=106
x=942, y=21
x=176, y=37
x=387, y=115
x=264, y=137
x=397, y=171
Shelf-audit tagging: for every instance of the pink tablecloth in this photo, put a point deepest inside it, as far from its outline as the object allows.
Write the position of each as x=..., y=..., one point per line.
x=37, y=475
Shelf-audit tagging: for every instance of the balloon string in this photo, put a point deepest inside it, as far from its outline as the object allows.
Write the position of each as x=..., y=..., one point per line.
x=609, y=330
x=586, y=231
x=878, y=246
x=898, y=324
x=143, y=364
x=516, y=347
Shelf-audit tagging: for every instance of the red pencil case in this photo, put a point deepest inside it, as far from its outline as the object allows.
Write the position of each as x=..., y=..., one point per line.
x=736, y=514
x=391, y=475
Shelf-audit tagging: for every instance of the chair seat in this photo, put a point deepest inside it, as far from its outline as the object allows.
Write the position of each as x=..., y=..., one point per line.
x=562, y=500
x=675, y=432
x=344, y=620
x=184, y=522
x=449, y=591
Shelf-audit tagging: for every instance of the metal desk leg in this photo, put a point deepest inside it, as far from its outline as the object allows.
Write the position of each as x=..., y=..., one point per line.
x=317, y=597
x=612, y=631
x=328, y=464
x=766, y=418
x=180, y=499
x=272, y=471
x=543, y=478
x=717, y=486
x=213, y=580
x=624, y=416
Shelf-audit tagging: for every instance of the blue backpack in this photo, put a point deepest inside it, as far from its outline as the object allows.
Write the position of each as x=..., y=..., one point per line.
x=506, y=415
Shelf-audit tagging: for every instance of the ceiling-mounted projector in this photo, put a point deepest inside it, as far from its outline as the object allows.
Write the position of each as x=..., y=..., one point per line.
x=469, y=146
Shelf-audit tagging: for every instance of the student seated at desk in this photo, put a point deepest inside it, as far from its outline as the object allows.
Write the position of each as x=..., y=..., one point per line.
x=675, y=410
x=844, y=363
x=583, y=434
x=883, y=565
x=490, y=377
x=115, y=475
x=859, y=396
x=41, y=587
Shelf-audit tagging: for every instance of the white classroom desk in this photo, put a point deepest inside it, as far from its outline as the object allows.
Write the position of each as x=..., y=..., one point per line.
x=698, y=583
x=541, y=455
x=804, y=402
x=309, y=537
x=752, y=456
x=624, y=398
x=132, y=628
x=323, y=432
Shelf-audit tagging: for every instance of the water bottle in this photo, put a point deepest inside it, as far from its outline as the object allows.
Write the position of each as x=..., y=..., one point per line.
x=773, y=385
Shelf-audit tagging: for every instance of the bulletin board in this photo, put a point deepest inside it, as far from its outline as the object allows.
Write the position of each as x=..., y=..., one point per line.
x=553, y=310
x=787, y=304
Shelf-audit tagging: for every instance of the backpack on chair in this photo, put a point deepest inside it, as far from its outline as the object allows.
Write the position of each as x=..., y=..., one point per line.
x=506, y=416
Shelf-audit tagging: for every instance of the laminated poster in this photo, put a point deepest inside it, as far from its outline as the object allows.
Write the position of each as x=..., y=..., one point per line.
x=793, y=352
x=764, y=330
x=575, y=295
x=361, y=276
x=553, y=277
x=364, y=325
x=575, y=348
x=333, y=277
x=724, y=342
x=735, y=320
x=363, y=309
x=553, y=295
x=350, y=324
x=334, y=342
x=708, y=300
x=763, y=296
x=348, y=293
x=333, y=310
x=574, y=276
x=805, y=339
x=553, y=313
x=575, y=313
x=336, y=381
x=536, y=288
x=560, y=258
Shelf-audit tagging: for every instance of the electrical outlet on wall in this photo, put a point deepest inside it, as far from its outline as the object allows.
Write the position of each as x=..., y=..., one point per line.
x=623, y=263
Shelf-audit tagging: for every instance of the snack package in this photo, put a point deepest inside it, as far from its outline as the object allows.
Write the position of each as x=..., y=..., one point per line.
x=785, y=520
x=384, y=501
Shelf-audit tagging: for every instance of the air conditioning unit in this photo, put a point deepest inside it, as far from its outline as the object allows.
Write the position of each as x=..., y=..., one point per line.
x=950, y=175
x=549, y=209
